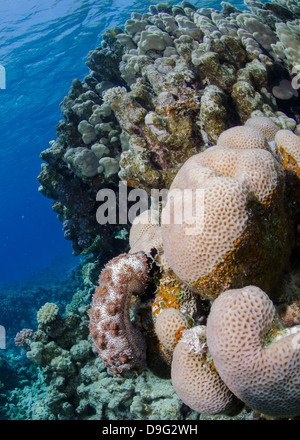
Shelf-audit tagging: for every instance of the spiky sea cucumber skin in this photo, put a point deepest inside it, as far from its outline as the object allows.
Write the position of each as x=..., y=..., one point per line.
x=119, y=344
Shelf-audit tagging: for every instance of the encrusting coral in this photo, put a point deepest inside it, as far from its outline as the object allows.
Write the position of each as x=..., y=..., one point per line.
x=182, y=99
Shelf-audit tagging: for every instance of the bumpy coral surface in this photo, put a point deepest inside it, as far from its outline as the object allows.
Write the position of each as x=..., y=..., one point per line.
x=265, y=376
x=49, y=312
x=119, y=344
x=288, y=148
x=243, y=137
x=237, y=211
x=258, y=169
x=265, y=125
x=169, y=326
x=196, y=381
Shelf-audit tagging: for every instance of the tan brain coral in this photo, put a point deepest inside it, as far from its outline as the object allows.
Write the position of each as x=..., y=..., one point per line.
x=288, y=150
x=194, y=251
x=242, y=136
x=169, y=326
x=196, y=381
x=265, y=125
x=255, y=167
x=239, y=219
x=261, y=373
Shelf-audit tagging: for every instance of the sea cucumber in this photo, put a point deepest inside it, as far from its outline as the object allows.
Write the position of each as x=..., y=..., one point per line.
x=119, y=344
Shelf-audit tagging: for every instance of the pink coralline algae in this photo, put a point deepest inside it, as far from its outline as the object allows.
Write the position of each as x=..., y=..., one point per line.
x=120, y=345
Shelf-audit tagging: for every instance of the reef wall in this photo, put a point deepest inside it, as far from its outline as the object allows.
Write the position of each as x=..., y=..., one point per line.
x=180, y=98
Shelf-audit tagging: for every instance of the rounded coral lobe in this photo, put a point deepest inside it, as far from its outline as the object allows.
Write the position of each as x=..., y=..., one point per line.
x=222, y=203
x=259, y=367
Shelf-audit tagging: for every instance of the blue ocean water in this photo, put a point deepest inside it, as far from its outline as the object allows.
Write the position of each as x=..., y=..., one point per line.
x=44, y=46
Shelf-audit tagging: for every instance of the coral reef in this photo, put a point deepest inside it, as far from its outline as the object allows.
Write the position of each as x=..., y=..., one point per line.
x=158, y=92
x=238, y=203
x=21, y=384
x=73, y=382
x=85, y=157
x=207, y=63
x=243, y=188
x=248, y=358
x=182, y=98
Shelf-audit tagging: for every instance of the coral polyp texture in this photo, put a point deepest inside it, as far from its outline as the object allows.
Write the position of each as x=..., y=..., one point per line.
x=195, y=379
x=288, y=149
x=265, y=125
x=262, y=373
x=198, y=106
x=243, y=137
x=119, y=344
x=239, y=220
x=169, y=326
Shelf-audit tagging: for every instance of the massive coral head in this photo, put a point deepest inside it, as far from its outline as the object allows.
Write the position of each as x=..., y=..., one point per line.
x=240, y=231
x=258, y=362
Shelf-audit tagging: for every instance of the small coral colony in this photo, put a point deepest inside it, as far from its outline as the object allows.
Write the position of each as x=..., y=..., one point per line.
x=186, y=98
